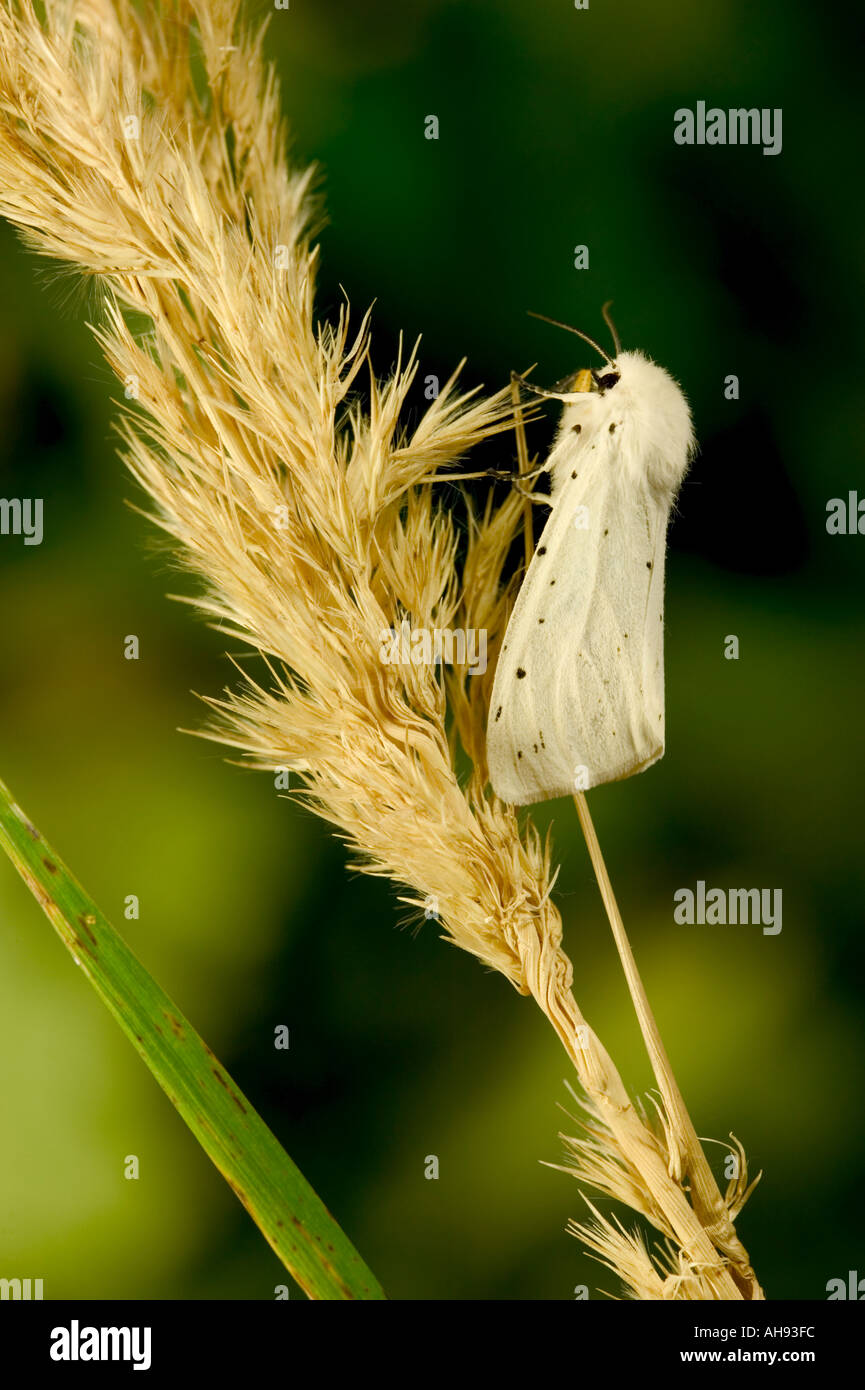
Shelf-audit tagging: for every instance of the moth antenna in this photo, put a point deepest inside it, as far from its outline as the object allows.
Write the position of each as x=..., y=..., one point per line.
x=608, y=320
x=568, y=329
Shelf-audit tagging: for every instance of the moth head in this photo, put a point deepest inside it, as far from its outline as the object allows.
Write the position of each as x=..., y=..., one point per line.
x=585, y=381
x=601, y=379
x=606, y=378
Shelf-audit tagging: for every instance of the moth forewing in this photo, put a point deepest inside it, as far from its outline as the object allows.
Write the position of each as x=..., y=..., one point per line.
x=653, y=640
x=531, y=718
x=629, y=637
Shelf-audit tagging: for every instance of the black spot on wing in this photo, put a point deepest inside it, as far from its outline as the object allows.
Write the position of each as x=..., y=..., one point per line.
x=498, y=714
x=520, y=673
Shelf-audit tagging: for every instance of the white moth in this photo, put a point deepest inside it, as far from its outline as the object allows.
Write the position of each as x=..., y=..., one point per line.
x=578, y=695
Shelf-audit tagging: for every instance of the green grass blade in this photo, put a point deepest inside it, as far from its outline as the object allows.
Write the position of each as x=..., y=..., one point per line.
x=280, y=1201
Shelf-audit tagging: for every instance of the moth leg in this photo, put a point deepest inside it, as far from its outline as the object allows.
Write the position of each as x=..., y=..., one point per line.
x=500, y=474
x=537, y=390
x=564, y=396
x=519, y=476
x=527, y=492
x=524, y=473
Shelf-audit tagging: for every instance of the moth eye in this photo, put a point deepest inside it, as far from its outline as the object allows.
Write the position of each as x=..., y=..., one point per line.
x=607, y=380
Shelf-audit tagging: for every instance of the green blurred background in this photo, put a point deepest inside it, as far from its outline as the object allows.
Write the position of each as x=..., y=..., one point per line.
x=555, y=130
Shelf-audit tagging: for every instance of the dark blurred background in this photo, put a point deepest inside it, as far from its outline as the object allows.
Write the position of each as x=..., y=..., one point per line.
x=556, y=130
